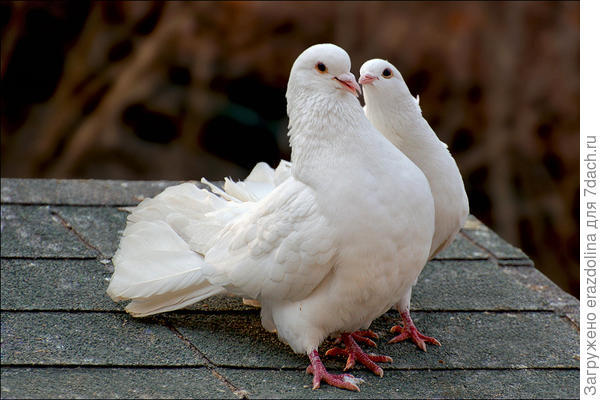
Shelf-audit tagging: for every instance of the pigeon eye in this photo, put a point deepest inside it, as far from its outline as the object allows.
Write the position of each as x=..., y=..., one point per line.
x=387, y=73
x=321, y=67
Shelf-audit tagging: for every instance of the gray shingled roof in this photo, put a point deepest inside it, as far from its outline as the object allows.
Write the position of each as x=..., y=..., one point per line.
x=506, y=330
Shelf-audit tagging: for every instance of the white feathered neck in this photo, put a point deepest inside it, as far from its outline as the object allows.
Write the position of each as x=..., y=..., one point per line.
x=317, y=119
x=398, y=116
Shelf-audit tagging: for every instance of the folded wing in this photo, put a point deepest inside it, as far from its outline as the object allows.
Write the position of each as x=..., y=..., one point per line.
x=281, y=250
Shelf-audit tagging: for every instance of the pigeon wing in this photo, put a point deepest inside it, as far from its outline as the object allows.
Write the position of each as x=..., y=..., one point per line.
x=283, y=249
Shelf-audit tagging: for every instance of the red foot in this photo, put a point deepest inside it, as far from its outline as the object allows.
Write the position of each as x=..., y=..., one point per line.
x=342, y=381
x=354, y=353
x=409, y=330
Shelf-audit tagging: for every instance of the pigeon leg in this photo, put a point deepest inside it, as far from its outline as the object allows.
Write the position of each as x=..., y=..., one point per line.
x=409, y=330
x=342, y=381
x=354, y=353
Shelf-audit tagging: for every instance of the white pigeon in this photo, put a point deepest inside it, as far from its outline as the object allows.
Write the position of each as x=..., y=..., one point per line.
x=327, y=251
x=394, y=112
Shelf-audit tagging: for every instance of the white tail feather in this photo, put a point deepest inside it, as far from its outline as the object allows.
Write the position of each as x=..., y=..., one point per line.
x=216, y=190
x=261, y=181
x=152, y=260
x=172, y=301
x=155, y=265
x=248, y=191
x=261, y=172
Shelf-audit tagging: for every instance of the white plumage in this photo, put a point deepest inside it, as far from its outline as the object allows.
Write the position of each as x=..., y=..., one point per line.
x=397, y=115
x=394, y=112
x=326, y=251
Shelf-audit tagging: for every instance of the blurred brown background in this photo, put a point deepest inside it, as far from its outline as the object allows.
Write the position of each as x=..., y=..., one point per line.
x=150, y=90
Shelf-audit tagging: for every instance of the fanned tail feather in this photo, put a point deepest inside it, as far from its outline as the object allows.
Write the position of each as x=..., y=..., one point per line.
x=178, y=206
x=261, y=181
x=155, y=265
x=171, y=302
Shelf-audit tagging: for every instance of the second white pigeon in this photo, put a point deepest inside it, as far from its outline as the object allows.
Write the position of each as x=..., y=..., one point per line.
x=392, y=109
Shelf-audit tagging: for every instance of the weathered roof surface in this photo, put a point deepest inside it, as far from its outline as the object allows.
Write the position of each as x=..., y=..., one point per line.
x=506, y=330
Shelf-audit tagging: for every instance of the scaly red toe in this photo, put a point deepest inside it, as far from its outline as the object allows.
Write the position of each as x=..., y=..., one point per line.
x=409, y=331
x=342, y=381
x=354, y=353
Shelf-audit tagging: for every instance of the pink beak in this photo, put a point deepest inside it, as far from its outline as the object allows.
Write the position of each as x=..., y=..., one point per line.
x=367, y=78
x=348, y=82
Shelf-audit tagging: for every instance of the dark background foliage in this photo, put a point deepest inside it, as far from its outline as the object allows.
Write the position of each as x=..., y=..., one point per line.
x=176, y=90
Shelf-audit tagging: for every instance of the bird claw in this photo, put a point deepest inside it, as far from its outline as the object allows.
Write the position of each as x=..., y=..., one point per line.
x=336, y=351
x=410, y=331
x=365, y=337
x=342, y=381
x=354, y=353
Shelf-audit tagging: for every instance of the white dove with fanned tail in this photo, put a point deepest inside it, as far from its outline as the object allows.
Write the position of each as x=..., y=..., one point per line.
x=327, y=251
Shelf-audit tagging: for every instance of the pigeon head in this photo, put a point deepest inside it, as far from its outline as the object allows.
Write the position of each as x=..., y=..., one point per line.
x=386, y=93
x=381, y=75
x=323, y=69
